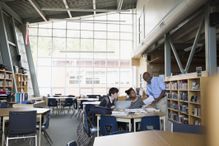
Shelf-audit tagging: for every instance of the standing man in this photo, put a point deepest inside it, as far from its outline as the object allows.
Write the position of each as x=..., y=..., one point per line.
x=155, y=91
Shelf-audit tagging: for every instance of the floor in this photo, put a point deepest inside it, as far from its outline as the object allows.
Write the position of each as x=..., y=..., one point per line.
x=62, y=129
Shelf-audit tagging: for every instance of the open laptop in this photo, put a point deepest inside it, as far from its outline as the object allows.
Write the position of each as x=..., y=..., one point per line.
x=122, y=104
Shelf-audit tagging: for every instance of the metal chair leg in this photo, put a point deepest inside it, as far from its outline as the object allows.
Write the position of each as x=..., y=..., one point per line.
x=6, y=141
x=35, y=140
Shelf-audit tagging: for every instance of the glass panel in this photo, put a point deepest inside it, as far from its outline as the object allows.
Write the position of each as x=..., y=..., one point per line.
x=100, y=35
x=113, y=49
x=73, y=48
x=126, y=36
x=33, y=31
x=73, y=33
x=112, y=77
x=45, y=32
x=44, y=62
x=87, y=25
x=45, y=45
x=44, y=76
x=58, y=47
x=126, y=28
x=100, y=49
x=60, y=24
x=59, y=33
x=86, y=48
x=73, y=25
x=58, y=77
x=44, y=91
x=45, y=25
x=126, y=50
x=113, y=35
x=86, y=34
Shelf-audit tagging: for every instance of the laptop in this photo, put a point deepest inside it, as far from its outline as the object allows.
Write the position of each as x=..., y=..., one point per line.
x=122, y=104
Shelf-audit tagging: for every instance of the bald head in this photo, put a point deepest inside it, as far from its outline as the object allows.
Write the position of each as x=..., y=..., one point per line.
x=147, y=77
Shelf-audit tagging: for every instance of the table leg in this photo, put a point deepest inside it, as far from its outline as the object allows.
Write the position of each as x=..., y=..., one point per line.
x=3, y=131
x=134, y=125
x=130, y=125
x=40, y=130
x=164, y=122
x=98, y=125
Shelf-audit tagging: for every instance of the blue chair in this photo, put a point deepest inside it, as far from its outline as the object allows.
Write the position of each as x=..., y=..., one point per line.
x=150, y=123
x=71, y=143
x=3, y=105
x=108, y=125
x=22, y=125
x=52, y=103
x=185, y=128
x=68, y=103
x=45, y=126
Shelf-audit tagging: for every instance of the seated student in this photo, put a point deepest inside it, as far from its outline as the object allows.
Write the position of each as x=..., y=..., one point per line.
x=109, y=101
x=136, y=101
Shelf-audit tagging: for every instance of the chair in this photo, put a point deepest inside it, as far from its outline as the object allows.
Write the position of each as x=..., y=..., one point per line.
x=93, y=96
x=71, y=143
x=45, y=126
x=185, y=128
x=22, y=125
x=52, y=103
x=108, y=125
x=68, y=103
x=3, y=105
x=87, y=122
x=150, y=123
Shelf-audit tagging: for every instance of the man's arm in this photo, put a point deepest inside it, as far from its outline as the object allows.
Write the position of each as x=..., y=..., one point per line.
x=162, y=95
x=103, y=103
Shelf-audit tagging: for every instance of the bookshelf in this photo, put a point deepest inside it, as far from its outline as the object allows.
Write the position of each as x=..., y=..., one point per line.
x=6, y=81
x=22, y=82
x=185, y=95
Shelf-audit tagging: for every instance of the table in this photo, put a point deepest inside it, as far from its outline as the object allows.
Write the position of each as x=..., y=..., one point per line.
x=87, y=99
x=126, y=118
x=151, y=138
x=4, y=113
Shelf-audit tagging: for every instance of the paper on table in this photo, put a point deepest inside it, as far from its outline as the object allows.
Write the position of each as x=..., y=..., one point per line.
x=148, y=101
x=152, y=110
x=119, y=113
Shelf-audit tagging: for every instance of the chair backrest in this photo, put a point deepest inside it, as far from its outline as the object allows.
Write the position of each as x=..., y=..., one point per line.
x=52, y=102
x=108, y=125
x=93, y=96
x=185, y=128
x=69, y=102
x=71, y=143
x=22, y=122
x=3, y=105
x=150, y=123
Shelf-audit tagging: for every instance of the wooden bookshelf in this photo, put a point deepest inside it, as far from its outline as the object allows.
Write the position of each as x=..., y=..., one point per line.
x=22, y=82
x=185, y=95
x=6, y=81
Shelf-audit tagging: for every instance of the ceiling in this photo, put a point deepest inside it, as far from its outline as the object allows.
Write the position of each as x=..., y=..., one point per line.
x=44, y=10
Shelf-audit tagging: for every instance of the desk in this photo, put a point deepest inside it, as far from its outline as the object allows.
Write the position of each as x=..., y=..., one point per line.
x=4, y=113
x=151, y=138
x=126, y=118
x=87, y=99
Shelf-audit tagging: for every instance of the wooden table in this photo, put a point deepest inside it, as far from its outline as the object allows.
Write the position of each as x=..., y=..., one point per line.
x=4, y=113
x=136, y=117
x=151, y=138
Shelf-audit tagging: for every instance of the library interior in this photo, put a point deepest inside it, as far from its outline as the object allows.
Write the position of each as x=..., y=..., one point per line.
x=109, y=72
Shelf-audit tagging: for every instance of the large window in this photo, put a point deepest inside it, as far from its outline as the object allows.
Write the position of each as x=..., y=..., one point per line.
x=84, y=56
